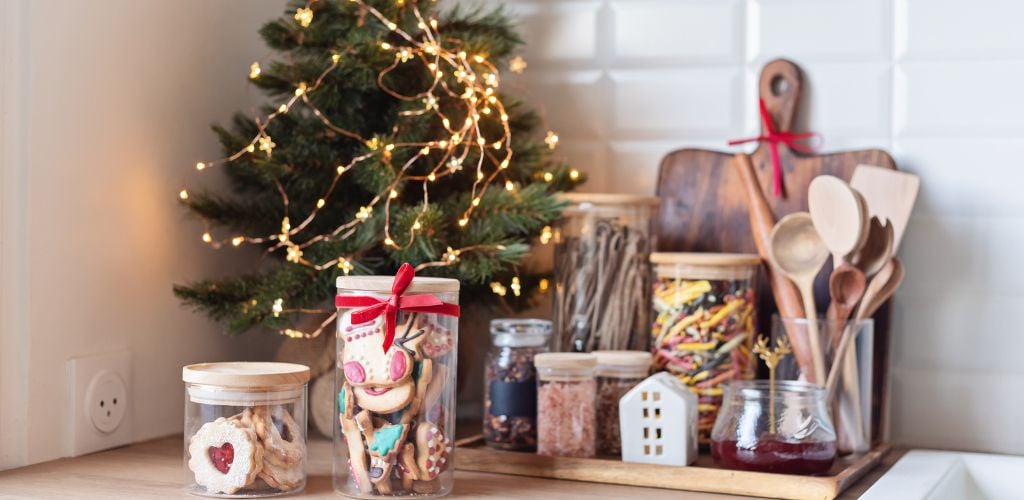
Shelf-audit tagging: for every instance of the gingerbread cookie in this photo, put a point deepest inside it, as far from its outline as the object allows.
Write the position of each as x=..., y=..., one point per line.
x=437, y=340
x=225, y=456
x=358, y=470
x=431, y=450
x=381, y=381
x=281, y=437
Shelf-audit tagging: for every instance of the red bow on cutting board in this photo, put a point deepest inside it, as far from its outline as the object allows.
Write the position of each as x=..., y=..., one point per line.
x=773, y=138
x=372, y=307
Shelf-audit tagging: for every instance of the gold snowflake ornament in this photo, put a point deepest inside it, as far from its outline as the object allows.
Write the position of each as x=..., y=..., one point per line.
x=517, y=64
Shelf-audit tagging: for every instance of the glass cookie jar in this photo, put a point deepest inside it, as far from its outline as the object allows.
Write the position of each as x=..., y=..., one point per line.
x=395, y=406
x=245, y=429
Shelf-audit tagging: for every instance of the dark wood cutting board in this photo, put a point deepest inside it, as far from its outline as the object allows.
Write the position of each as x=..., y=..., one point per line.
x=704, y=207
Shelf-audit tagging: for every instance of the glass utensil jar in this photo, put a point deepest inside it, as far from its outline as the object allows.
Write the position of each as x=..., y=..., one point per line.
x=510, y=388
x=704, y=319
x=788, y=432
x=245, y=429
x=617, y=373
x=396, y=407
x=602, y=273
x=566, y=420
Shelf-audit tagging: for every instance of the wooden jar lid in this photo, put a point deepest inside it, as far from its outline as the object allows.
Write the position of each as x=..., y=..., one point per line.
x=246, y=375
x=382, y=284
x=565, y=360
x=610, y=199
x=626, y=359
x=706, y=259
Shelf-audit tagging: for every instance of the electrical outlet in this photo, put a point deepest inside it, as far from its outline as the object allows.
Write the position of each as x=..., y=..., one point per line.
x=100, y=401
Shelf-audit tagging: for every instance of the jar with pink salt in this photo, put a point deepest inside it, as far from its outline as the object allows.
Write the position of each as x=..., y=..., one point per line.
x=566, y=398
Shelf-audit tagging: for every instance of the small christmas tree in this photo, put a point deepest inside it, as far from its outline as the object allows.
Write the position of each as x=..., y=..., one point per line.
x=388, y=141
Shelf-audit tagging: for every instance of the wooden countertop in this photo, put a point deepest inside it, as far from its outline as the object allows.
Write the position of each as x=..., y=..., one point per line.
x=153, y=469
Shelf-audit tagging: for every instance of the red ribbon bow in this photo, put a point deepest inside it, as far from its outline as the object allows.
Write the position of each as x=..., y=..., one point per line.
x=372, y=307
x=773, y=138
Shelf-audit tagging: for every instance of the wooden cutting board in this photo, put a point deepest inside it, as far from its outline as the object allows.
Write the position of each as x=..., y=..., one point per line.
x=704, y=208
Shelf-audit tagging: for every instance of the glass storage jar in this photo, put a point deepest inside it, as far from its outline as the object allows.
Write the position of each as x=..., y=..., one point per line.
x=245, y=429
x=510, y=387
x=602, y=273
x=396, y=408
x=704, y=323
x=566, y=416
x=786, y=431
x=617, y=372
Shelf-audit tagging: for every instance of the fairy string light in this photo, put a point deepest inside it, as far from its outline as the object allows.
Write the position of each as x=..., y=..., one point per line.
x=470, y=80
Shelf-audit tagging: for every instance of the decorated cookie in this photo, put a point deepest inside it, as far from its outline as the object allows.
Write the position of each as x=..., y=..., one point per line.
x=282, y=478
x=407, y=468
x=358, y=469
x=381, y=381
x=431, y=450
x=281, y=436
x=225, y=456
x=437, y=340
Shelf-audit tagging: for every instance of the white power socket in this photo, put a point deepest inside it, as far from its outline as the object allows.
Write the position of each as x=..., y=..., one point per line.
x=100, y=401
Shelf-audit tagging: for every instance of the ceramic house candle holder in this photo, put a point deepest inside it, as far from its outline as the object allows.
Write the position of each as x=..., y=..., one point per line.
x=658, y=420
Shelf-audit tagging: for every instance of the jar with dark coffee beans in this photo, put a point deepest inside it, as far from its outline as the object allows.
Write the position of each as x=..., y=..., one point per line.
x=510, y=390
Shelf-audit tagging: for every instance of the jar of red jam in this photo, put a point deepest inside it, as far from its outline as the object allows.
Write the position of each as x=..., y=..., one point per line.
x=786, y=431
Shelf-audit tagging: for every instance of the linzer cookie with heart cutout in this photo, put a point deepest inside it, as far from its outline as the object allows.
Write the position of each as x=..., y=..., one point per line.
x=225, y=456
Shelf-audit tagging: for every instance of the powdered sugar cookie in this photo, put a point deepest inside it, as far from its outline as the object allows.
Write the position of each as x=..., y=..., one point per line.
x=225, y=456
x=431, y=450
x=282, y=478
x=281, y=437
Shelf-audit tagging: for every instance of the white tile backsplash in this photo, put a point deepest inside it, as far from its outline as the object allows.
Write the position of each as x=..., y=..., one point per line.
x=936, y=82
x=945, y=29
x=823, y=29
x=679, y=103
x=694, y=31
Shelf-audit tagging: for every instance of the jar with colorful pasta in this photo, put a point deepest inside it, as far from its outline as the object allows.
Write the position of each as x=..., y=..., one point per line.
x=704, y=320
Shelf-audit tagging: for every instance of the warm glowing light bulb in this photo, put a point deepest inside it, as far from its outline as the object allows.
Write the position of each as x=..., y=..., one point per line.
x=431, y=177
x=282, y=108
x=515, y=286
x=416, y=226
x=476, y=201
x=335, y=58
x=394, y=194
x=574, y=174
x=463, y=221
x=504, y=163
x=254, y=70
x=389, y=242
x=389, y=147
x=385, y=45
x=509, y=186
x=304, y=16
x=546, y=235
x=200, y=166
x=237, y=240
x=548, y=177
x=207, y=237
x=320, y=203
x=183, y=194
x=278, y=307
x=544, y=284
x=341, y=169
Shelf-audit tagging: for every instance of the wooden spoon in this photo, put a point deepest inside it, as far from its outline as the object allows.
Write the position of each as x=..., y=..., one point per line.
x=879, y=290
x=838, y=215
x=846, y=286
x=877, y=250
x=797, y=250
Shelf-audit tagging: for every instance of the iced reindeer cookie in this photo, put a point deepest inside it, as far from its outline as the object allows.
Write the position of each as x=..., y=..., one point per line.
x=381, y=381
x=225, y=456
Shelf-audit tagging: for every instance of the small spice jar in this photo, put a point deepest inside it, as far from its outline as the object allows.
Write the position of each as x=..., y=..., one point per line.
x=786, y=430
x=510, y=388
x=617, y=373
x=704, y=320
x=566, y=416
x=245, y=429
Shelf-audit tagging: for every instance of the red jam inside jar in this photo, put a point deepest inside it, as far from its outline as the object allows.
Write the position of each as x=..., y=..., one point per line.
x=770, y=454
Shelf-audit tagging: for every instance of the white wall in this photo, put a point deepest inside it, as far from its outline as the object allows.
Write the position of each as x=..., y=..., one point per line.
x=937, y=83
x=106, y=107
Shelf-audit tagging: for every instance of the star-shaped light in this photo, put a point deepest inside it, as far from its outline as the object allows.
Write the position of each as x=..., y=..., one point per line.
x=266, y=144
x=304, y=16
x=551, y=139
x=278, y=307
x=254, y=70
x=517, y=64
x=294, y=254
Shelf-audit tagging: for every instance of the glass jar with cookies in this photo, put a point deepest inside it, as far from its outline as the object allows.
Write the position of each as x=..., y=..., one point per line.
x=395, y=385
x=245, y=429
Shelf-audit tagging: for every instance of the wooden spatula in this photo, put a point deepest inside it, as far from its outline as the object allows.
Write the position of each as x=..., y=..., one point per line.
x=889, y=194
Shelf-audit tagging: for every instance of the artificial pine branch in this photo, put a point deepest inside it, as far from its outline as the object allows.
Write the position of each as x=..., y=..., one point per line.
x=307, y=155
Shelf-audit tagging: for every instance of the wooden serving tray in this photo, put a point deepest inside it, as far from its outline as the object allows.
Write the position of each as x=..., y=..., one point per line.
x=473, y=455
